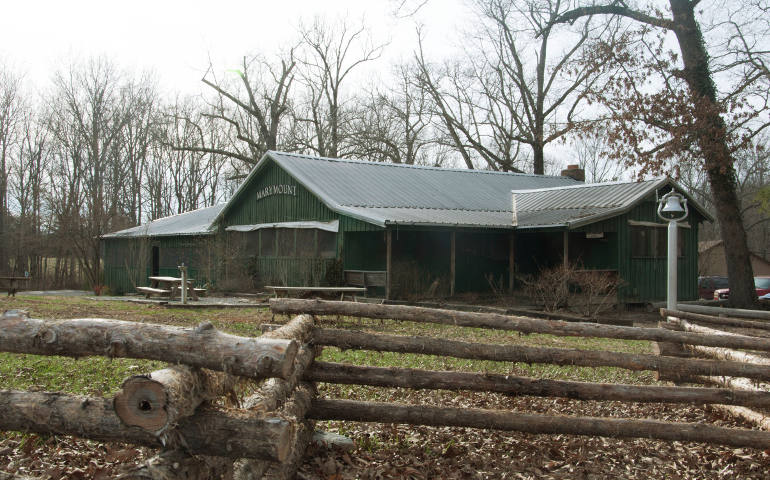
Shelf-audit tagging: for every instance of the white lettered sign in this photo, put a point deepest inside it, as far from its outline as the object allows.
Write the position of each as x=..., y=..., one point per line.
x=277, y=190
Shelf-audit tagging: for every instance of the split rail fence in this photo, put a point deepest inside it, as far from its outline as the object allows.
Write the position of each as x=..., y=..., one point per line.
x=172, y=410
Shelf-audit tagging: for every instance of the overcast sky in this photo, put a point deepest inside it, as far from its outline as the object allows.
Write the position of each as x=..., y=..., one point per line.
x=176, y=38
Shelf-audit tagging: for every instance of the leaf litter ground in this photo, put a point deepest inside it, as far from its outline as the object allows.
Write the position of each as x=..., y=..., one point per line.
x=385, y=451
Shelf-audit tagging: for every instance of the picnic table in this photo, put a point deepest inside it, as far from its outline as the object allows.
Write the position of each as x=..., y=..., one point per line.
x=162, y=285
x=341, y=290
x=13, y=283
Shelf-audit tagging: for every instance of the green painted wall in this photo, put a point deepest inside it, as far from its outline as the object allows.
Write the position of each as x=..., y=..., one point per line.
x=299, y=205
x=645, y=277
x=128, y=262
x=274, y=196
x=365, y=250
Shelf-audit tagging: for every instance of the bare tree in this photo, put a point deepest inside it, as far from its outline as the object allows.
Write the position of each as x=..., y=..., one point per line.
x=143, y=107
x=332, y=52
x=11, y=114
x=395, y=124
x=27, y=185
x=185, y=179
x=593, y=157
x=88, y=116
x=253, y=108
x=521, y=84
x=689, y=115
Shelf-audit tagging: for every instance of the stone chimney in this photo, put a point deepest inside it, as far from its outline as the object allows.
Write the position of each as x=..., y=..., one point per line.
x=574, y=171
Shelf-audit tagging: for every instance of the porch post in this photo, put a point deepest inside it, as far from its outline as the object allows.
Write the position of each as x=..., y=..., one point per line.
x=452, y=244
x=566, y=249
x=388, y=262
x=511, y=260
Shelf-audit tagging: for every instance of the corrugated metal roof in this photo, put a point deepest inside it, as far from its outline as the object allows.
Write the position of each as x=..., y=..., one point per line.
x=579, y=205
x=197, y=222
x=356, y=183
x=387, y=193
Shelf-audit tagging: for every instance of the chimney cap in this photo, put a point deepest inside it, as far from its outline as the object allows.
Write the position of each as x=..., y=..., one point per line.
x=574, y=172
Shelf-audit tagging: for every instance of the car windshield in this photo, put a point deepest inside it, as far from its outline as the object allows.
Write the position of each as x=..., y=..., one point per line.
x=720, y=282
x=762, y=282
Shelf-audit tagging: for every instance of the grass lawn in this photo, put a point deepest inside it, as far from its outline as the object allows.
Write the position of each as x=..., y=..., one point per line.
x=397, y=451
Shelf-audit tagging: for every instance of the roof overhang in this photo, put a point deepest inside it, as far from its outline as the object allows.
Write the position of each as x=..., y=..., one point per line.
x=610, y=211
x=333, y=226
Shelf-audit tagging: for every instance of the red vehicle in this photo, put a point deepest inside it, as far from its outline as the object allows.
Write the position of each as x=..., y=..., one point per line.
x=707, y=285
x=762, y=284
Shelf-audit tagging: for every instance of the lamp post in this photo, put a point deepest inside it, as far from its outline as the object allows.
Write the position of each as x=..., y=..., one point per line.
x=672, y=207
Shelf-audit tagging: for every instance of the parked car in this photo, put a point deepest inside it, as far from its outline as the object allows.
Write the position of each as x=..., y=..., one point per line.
x=762, y=284
x=707, y=285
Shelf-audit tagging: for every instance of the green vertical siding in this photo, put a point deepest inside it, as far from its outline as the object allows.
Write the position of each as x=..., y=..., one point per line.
x=128, y=261
x=365, y=250
x=645, y=278
x=248, y=209
x=301, y=205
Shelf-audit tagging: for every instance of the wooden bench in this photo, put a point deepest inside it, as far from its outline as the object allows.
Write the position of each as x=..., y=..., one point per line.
x=153, y=291
x=341, y=290
x=201, y=292
x=366, y=278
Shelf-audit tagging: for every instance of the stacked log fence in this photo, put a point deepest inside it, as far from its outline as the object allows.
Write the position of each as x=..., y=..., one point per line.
x=746, y=369
x=179, y=409
x=175, y=409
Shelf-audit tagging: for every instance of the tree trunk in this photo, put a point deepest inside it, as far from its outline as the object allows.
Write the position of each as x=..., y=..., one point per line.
x=722, y=353
x=538, y=158
x=393, y=377
x=504, y=322
x=501, y=420
x=156, y=402
x=202, y=346
x=219, y=432
x=713, y=141
x=675, y=367
x=300, y=404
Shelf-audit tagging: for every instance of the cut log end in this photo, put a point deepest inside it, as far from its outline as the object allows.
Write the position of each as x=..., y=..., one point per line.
x=142, y=403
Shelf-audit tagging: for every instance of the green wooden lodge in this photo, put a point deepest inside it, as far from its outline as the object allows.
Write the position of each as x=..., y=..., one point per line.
x=407, y=231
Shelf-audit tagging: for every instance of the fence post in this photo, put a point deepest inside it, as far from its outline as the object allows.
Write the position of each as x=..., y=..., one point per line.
x=183, y=269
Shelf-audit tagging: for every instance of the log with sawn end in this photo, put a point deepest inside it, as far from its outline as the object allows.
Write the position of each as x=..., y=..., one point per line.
x=156, y=402
x=212, y=431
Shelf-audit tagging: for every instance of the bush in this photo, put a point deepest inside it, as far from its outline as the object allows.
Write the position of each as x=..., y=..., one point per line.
x=561, y=286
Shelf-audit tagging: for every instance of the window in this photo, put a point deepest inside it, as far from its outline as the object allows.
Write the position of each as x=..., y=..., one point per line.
x=267, y=242
x=651, y=242
x=327, y=244
x=297, y=242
